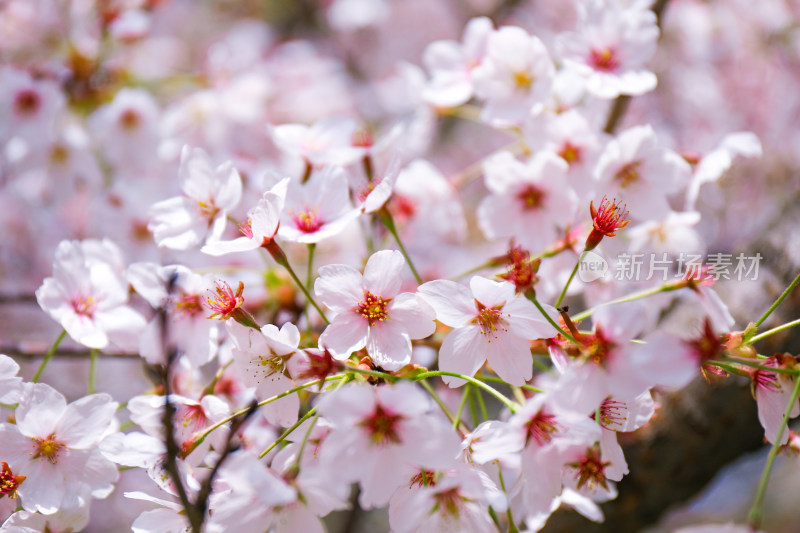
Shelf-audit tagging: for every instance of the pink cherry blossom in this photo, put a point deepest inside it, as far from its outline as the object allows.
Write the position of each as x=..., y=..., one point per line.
x=371, y=312
x=88, y=295
x=384, y=425
x=198, y=216
x=490, y=323
x=54, y=445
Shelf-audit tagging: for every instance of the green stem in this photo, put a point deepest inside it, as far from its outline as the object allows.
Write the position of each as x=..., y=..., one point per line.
x=774, y=330
x=388, y=221
x=512, y=527
x=201, y=437
x=488, y=264
x=374, y=373
x=92, y=387
x=498, y=380
x=667, y=287
x=280, y=257
x=755, y=514
x=309, y=275
x=462, y=403
x=777, y=302
x=482, y=405
x=553, y=323
x=473, y=406
x=752, y=364
x=569, y=281
x=48, y=356
x=311, y=412
x=508, y=403
x=427, y=386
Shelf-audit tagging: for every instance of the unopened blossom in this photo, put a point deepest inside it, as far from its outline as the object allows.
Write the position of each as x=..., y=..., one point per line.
x=490, y=323
x=525, y=196
x=451, y=63
x=371, y=312
x=200, y=214
x=262, y=224
x=378, y=426
x=318, y=209
x=54, y=445
x=640, y=172
x=515, y=76
x=613, y=41
x=88, y=295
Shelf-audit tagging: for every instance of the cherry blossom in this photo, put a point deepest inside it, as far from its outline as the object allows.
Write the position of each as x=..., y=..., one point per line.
x=262, y=224
x=371, y=312
x=54, y=445
x=198, y=216
x=490, y=324
x=88, y=295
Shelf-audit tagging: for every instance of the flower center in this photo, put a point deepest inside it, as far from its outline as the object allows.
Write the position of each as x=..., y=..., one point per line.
x=9, y=482
x=490, y=319
x=591, y=470
x=267, y=365
x=373, y=308
x=541, y=428
x=609, y=216
x=189, y=305
x=307, y=220
x=382, y=426
x=27, y=102
x=48, y=448
x=448, y=501
x=225, y=301
x=193, y=417
x=532, y=197
x=604, y=59
x=208, y=209
x=613, y=414
x=59, y=154
x=523, y=80
x=84, y=305
x=628, y=174
x=597, y=348
x=423, y=478
x=247, y=229
x=129, y=120
x=570, y=153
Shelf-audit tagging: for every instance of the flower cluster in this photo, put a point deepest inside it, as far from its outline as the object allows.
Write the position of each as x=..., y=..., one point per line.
x=424, y=352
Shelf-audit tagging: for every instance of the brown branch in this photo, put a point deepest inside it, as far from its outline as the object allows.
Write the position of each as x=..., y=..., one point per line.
x=620, y=105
